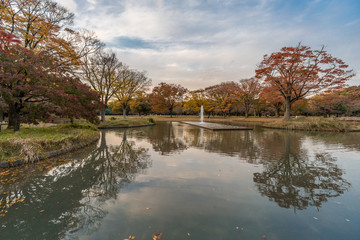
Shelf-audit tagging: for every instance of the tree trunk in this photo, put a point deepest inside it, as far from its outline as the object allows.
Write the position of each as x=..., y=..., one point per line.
x=1, y=119
x=14, y=118
x=277, y=112
x=246, y=114
x=11, y=117
x=124, y=110
x=102, y=112
x=287, y=109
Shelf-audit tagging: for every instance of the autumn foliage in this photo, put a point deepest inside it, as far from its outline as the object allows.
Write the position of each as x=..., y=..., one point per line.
x=165, y=97
x=296, y=72
x=34, y=87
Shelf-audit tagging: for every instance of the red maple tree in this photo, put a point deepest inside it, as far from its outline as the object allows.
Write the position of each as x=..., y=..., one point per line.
x=299, y=71
x=34, y=86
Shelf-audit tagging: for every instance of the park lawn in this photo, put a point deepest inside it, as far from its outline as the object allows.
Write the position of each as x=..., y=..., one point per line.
x=33, y=141
x=314, y=124
x=130, y=121
x=296, y=123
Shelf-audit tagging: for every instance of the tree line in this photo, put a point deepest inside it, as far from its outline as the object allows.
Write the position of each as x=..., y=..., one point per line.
x=247, y=97
x=48, y=69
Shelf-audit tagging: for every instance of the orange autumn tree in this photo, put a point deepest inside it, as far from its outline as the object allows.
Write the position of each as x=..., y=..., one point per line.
x=165, y=97
x=39, y=24
x=300, y=71
x=272, y=97
x=194, y=100
x=249, y=91
x=222, y=96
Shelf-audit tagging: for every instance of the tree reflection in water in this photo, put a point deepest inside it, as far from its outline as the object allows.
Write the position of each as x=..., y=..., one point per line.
x=297, y=181
x=68, y=199
x=291, y=177
x=165, y=140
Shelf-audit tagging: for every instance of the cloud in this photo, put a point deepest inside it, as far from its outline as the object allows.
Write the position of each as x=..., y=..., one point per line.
x=202, y=42
x=69, y=4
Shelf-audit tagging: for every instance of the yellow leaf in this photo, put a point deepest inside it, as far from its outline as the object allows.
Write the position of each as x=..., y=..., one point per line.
x=189, y=234
x=42, y=210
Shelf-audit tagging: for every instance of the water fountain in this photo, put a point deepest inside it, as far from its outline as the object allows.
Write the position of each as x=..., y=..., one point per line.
x=214, y=126
x=202, y=114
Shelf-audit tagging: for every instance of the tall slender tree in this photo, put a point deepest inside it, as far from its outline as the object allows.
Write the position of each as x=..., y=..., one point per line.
x=132, y=82
x=103, y=72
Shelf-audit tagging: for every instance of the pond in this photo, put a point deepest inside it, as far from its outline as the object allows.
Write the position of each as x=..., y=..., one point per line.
x=184, y=182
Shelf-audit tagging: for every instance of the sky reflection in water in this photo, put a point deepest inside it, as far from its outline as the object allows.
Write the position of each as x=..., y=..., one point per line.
x=191, y=183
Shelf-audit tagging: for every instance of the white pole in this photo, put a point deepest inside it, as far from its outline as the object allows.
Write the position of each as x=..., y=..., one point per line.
x=202, y=114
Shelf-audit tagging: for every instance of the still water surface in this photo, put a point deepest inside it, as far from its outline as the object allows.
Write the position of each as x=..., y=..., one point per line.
x=190, y=183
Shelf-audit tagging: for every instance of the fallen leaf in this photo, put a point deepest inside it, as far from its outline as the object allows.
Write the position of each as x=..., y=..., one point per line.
x=263, y=236
x=189, y=234
x=348, y=220
x=157, y=235
x=148, y=208
x=130, y=237
x=42, y=210
x=315, y=218
x=237, y=228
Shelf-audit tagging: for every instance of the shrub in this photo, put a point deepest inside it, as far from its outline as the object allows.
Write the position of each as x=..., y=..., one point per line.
x=81, y=126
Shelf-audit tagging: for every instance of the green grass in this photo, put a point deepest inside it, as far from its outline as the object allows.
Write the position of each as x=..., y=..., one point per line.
x=128, y=122
x=311, y=124
x=32, y=141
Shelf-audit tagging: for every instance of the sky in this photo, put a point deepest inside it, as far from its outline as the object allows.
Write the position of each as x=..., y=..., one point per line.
x=199, y=43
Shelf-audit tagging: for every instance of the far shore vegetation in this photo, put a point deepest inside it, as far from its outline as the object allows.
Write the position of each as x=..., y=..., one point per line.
x=343, y=124
x=119, y=122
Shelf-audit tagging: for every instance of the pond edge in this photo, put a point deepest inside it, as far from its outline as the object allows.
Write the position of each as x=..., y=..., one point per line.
x=126, y=126
x=51, y=154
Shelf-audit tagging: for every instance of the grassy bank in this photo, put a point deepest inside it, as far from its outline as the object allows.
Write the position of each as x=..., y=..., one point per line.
x=234, y=119
x=300, y=123
x=33, y=141
x=314, y=124
x=119, y=122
